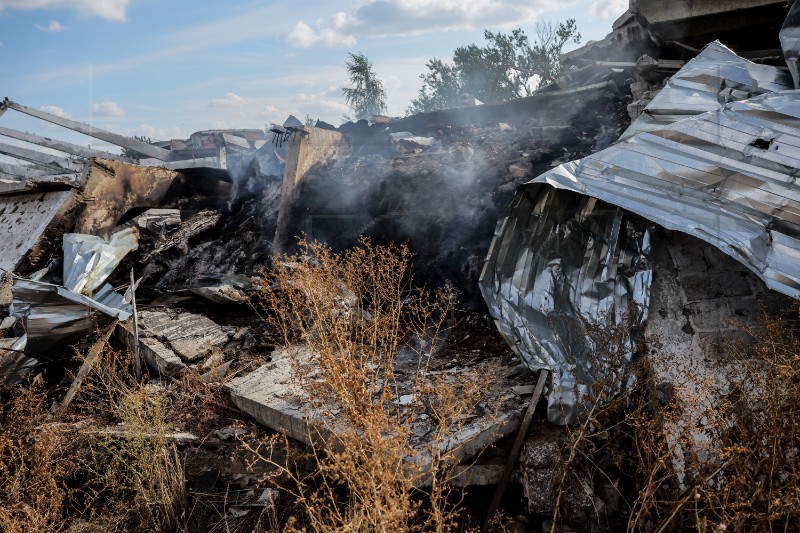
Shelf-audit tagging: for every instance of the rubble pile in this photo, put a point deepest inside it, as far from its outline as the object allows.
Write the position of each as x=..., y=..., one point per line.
x=651, y=189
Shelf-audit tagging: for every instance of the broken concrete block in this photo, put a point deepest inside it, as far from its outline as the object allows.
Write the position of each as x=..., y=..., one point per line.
x=189, y=336
x=272, y=397
x=541, y=468
x=31, y=226
x=154, y=353
x=307, y=147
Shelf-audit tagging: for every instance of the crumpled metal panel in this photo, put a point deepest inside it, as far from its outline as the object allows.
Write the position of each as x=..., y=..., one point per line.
x=14, y=364
x=714, y=77
x=89, y=260
x=790, y=42
x=52, y=314
x=561, y=268
x=729, y=178
x=706, y=160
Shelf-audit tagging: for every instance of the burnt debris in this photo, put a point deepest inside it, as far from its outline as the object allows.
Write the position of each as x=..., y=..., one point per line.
x=649, y=190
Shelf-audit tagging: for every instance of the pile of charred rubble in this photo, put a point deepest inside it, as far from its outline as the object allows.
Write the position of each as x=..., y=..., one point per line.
x=655, y=183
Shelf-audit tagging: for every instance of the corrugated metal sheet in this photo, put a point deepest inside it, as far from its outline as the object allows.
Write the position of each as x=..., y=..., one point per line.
x=561, y=267
x=52, y=314
x=719, y=167
x=790, y=42
x=89, y=260
x=729, y=178
x=716, y=76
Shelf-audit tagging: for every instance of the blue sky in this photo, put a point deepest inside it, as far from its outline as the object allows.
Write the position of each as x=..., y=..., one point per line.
x=167, y=68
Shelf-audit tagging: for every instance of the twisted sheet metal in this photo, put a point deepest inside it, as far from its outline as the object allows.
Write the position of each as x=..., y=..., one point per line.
x=728, y=178
x=724, y=171
x=715, y=77
x=561, y=267
x=53, y=314
x=790, y=42
x=90, y=260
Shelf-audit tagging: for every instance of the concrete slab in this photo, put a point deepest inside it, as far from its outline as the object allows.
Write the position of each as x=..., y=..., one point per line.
x=32, y=225
x=154, y=353
x=189, y=336
x=307, y=147
x=271, y=396
x=113, y=188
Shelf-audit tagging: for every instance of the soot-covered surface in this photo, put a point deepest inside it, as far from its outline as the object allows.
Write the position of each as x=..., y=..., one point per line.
x=444, y=199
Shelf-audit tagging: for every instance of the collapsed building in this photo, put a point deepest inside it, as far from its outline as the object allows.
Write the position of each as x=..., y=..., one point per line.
x=650, y=189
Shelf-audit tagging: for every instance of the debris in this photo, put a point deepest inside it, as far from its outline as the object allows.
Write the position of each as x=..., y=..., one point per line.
x=229, y=433
x=14, y=364
x=86, y=367
x=114, y=188
x=189, y=336
x=52, y=314
x=582, y=265
x=308, y=147
x=154, y=352
x=32, y=225
x=137, y=361
x=713, y=181
x=515, y=449
x=194, y=225
x=271, y=396
x=159, y=221
x=713, y=78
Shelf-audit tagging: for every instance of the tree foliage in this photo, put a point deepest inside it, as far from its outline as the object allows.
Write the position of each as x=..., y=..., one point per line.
x=507, y=67
x=366, y=95
x=133, y=154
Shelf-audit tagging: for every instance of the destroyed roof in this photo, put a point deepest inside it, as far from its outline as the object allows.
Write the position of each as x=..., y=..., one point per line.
x=716, y=155
x=714, y=77
x=202, y=149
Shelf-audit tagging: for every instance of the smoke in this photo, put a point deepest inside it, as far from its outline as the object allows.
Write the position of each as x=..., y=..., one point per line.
x=442, y=187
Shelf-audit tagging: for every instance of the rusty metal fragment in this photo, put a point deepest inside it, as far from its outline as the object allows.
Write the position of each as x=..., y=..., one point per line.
x=113, y=188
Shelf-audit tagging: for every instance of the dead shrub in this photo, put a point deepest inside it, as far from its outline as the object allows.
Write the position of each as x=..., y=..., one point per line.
x=136, y=475
x=704, y=459
x=36, y=463
x=739, y=454
x=371, y=382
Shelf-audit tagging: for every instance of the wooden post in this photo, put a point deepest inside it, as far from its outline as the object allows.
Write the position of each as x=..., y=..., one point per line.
x=137, y=360
x=512, y=457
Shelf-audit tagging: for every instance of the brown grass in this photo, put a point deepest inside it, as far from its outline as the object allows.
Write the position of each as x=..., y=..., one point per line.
x=36, y=462
x=356, y=312
x=704, y=461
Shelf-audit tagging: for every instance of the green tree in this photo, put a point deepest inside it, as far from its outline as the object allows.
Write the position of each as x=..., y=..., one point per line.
x=366, y=95
x=507, y=67
x=133, y=154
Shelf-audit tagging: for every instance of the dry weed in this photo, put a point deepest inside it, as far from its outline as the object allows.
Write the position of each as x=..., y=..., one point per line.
x=36, y=464
x=704, y=459
x=371, y=383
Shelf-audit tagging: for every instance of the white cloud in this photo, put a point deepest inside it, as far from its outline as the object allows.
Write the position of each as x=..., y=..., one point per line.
x=608, y=9
x=229, y=100
x=159, y=134
x=381, y=18
x=54, y=27
x=304, y=36
x=2, y=44
x=107, y=9
x=54, y=110
x=108, y=109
